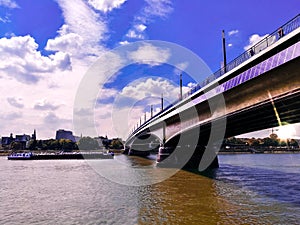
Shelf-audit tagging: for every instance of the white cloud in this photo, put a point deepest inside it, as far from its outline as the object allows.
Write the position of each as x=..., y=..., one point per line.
x=160, y=8
x=82, y=33
x=134, y=34
x=151, y=55
x=151, y=87
x=192, y=85
x=153, y=9
x=9, y=4
x=69, y=42
x=230, y=45
x=124, y=42
x=232, y=32
x=20, y=58
x=253, y=39
x=16, y=102
x=132, y=102
x=180, y=67
x=78, y=41
x=107, y=93
x=140, y=27
x=45, y=105
x=106, y=5
x=11, y=116
x=55, y=122
x=5, y=19
x=137, y=32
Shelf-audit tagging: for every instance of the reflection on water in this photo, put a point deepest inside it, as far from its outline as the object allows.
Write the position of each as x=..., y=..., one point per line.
x=244, y=190
x=185, y=198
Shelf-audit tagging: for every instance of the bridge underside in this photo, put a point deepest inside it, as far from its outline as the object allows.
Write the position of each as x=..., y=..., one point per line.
x=177, y=151
x=267, y=101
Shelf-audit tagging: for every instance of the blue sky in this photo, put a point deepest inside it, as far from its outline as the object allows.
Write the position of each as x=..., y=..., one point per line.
x=46, y=48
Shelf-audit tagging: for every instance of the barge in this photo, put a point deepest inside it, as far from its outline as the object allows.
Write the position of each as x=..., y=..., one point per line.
x=80, y=155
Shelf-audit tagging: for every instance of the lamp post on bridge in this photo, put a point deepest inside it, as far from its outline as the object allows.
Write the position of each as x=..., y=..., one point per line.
x=180, y=84
x=224, y=51
x=162, y=101
x=151, y=111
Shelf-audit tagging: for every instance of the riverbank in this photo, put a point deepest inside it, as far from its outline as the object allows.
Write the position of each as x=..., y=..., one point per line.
x=52, y=152
x=260, y=151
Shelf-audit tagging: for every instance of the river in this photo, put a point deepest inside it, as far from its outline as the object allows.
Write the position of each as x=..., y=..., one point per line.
x=246, y=189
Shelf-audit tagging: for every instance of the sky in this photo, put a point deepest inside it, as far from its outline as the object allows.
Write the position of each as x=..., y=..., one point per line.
x=48, y=47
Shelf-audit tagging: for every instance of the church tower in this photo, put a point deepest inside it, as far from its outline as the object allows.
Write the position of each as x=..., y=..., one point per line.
x=34, y=135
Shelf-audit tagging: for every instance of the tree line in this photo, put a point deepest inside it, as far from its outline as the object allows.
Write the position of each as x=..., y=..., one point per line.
x=271, y=141
x=84, y=143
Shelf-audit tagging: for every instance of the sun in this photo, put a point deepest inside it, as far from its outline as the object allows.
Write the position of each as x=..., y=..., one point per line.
x=286, y=132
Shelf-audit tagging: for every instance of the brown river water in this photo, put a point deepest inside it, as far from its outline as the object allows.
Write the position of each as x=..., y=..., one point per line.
x=246, y=189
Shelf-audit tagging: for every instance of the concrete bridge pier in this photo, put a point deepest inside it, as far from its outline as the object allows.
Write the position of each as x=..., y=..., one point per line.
x=187, y=157
x=134, y=152
x=143, y=145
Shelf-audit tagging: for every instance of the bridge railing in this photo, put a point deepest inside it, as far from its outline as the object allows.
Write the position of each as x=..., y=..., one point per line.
x=285, y=29
x=268, y=40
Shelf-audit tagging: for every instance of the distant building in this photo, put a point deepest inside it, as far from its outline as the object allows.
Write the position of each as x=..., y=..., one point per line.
x=64, y=134
x=100, y=141
x=6, y=141
x=33, y=136
x=22, y=139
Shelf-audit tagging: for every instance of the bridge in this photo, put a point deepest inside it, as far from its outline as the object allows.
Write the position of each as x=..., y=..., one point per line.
x=259, y=89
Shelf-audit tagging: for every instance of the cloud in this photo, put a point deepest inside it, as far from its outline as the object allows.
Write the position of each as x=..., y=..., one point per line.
x=232, y=32
x=180, y=67
x=107, y=93
x=151, y=87
x=153, y=9
x=134, y=34
x=140, y=27
x=106, y=5
x=20, y=59
x=11, y=116
x=9, y=4
x=253, y=39
x=149, y=54
x=192, y=85
x=78, y=43
x=44, y=105
x=5, y=19
x=16, y=102
x=65, y=42
x=160, y=8
x=82, y=33
x=124, y=42
x=230, y=45
x=83, y=112
x=55, y=122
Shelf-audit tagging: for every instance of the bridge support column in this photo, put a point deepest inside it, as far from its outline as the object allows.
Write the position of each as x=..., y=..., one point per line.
x=194, y=161
x=168, y=158
x=134, y=152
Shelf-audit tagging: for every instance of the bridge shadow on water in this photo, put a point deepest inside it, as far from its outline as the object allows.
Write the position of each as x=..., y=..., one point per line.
x=266, y=184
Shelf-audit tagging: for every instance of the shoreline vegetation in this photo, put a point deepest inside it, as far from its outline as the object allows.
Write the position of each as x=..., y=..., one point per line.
x=38, y=152
x=232, y=145
x=222, y=151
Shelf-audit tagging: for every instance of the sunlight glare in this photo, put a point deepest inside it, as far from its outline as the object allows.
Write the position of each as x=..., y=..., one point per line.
x=286, y=132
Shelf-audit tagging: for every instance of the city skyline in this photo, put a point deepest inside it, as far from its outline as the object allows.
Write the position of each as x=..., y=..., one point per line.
x=48, y=46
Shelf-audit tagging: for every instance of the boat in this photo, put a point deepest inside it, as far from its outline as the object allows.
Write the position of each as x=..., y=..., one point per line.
x=20, y=156
x=74, y=155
